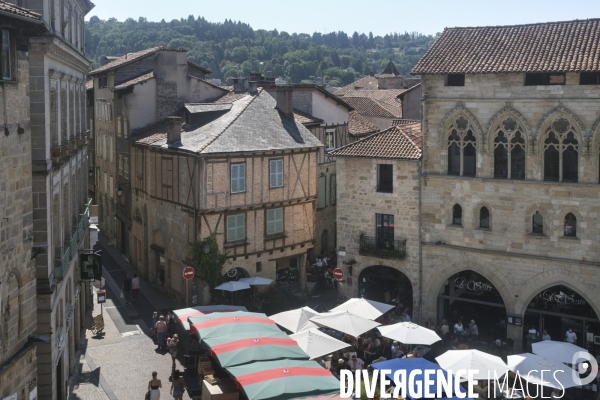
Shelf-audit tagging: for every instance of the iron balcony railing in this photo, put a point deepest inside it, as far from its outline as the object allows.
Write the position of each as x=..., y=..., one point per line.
x=63, y=260
x=382, y=247
x=61, y=264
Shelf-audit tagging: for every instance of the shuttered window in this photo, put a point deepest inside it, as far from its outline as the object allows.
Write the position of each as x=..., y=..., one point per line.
x=140, y=162
x=332, y=191
x=236, y=227
x=238, y=178
x=276, y=173
x=322, y=192
x=274, y=221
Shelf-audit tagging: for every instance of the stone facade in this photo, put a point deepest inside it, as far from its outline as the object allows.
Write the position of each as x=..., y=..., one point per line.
x=518, y=262
x=358, y=202
x=17, y=272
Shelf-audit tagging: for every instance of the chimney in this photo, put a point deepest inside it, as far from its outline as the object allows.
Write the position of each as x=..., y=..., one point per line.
x=252, y=87
x=240, y=85
x=410, y=130
x=371, y=73
x=173, y=130
x=285, y=100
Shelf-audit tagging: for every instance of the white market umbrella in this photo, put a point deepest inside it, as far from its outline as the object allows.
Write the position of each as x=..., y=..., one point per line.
x=256, y=280
x=346, y=322
x=557, y=351
x=316, y=343
x=295, y=320
x=409, y=333
x=232, y=286
x=485, y=363
x=530, y=367
x=368, y=309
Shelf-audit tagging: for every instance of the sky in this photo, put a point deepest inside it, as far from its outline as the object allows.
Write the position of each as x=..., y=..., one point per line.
x=379, y=16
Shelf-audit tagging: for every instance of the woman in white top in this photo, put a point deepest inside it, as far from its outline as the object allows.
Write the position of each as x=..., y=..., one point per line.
x=459, y=328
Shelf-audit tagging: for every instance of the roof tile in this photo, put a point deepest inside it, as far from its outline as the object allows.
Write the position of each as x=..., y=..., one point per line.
x=19, y=11
x=376, y=108
x=359, y=125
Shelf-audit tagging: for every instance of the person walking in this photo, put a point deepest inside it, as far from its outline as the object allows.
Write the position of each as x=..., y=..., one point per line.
x=178, y=386
x=126, y=288
x=545, y=336
x=161, y=331
x=154, y=386
x=356, y=363
x=173, y=344
x=459, y=328
x=571, y=336
x=154, y=321
x=135, y=287
x=473, y=329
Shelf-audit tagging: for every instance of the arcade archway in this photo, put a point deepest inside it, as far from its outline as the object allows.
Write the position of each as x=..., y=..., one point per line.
x=386, y=285
x=235, y=274
x=558, y=309
x=469, y=296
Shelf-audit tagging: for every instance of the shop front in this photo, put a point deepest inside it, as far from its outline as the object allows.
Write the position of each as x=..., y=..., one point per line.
x=558, y=309
x=468, y=296
x=387, y=285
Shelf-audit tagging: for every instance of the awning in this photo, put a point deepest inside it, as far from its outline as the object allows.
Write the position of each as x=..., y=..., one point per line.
x=184, y=313
x=284, y=380
x=221, y=324
x=244, y=347
x=410, y=364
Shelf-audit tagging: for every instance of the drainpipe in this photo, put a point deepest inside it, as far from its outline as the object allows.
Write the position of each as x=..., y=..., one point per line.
x=420, y=170
x=194, y=194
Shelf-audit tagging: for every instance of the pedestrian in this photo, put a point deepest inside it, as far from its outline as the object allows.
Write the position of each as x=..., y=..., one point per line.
x=171, y=325
x=154, y=386
x=474, y=329
x=178, y=386
x=336, y=370
x=570, y=336
x=173, y=344
x=459, y=328
x=154, y=321
x=135, y=287
x=545, y=336
x=126, y=288
x=161, y=331
x=356, y=363
x=445, y=329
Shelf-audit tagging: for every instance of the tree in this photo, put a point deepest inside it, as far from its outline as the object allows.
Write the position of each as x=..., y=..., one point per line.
x=208, y=265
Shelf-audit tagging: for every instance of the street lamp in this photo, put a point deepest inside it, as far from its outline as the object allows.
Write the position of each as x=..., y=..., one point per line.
x=119, y=191
x=91, y=172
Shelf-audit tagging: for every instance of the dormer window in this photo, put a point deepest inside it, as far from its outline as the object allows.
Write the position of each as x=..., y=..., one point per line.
x=455, y=80
x=544, y=79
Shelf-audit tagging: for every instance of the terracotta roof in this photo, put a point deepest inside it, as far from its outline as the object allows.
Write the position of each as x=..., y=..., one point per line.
x=367, y=83
x=375, y=108
x=129, y=58
x=397, y=142
x=135, y=81
x=7, y=8
x=359, y=125
x=397, y=122
x=305, y=118
x=547, y=47
x=385, y=95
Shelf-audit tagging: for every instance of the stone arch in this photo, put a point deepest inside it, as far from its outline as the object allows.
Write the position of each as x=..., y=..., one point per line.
x=502, y=115
x=553, y=115
x=529, y=215
x=559, y=276
x=409, y=289
x=452, y=116
x=157, y=239
x=430, y=296
x=594, y=137
x=449, y=208
x=561, y=220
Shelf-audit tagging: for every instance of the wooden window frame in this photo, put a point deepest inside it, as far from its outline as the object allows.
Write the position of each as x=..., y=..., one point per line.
x=279, y=233
x=228, y=239
x=271, y=161
x=238, y=177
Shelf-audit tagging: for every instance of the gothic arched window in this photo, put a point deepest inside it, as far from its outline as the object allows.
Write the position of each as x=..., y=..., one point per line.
x=561, y=152
x=462, y=149
x=457, y=215
x=570, y=225
x=484, y=218
x=509, y=151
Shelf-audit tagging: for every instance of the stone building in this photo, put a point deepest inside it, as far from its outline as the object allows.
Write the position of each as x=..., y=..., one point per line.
x=57, y=76
x=510, y=202
x=378, y=215
x=128, y=93
x=18, y=363
x=240, y=168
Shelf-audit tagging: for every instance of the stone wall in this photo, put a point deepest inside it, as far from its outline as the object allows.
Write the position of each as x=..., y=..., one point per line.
x=357, y=205
x=519, y=263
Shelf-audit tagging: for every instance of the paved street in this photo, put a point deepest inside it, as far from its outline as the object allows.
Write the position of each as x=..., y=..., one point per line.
x=117, y=363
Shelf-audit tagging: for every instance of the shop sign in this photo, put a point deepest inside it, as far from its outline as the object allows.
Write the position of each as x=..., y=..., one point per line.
x=562, y=298
x=32, y=384
x=91, y=266
x=474, y=286
x=33, y=394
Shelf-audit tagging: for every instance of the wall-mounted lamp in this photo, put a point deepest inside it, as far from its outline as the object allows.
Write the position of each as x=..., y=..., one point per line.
x=206, y=248
x=91, y=172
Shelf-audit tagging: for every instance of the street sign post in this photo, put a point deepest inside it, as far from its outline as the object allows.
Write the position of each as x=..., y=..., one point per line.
x=338, y=274
x=188, y=273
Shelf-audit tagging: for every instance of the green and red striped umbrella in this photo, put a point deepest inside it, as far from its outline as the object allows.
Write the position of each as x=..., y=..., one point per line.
x=244, y=347
x=221, y=324
x=184, y=313
x=284, y=380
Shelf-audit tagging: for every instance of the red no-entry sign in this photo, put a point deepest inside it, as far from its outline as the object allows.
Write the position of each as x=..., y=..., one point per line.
x=188, y=273
x=338, y=274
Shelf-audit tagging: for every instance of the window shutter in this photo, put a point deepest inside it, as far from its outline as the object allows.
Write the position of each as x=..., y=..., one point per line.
x=321, y=200
x=279, y=220
x=241, y=226
x=273, y=173
x=234, y=180
x=332, y=192
x=270, y=222
x=279, y=172
x=242, y=178
x=231, y=228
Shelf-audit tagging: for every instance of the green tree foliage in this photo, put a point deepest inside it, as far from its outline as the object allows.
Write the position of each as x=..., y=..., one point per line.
x=208, y=266
x=234, y=49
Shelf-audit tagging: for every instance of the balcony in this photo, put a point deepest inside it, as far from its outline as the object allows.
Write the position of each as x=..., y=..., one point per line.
x=382, y=248
x=70, y=251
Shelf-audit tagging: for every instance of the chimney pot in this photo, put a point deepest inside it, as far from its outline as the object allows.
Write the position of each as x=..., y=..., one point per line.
x=173, y=130
x=252, y=87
